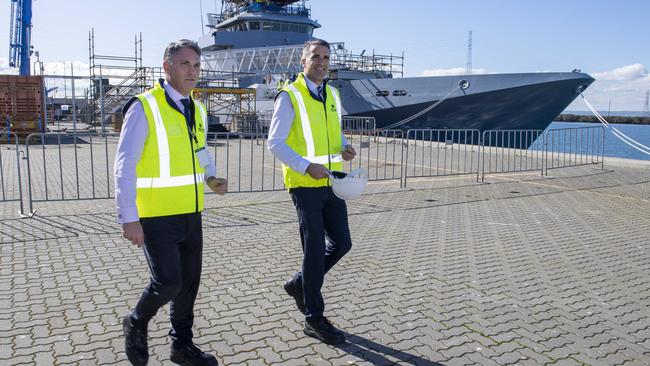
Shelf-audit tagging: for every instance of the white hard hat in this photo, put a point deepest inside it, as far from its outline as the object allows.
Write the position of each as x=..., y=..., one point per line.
x=349, y=186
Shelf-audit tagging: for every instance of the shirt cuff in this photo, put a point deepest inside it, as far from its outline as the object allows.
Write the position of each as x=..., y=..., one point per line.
x=302, y=166
x=127, y=214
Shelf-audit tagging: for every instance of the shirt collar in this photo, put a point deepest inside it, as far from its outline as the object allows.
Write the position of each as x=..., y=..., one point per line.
x=312, y=86
x=174, y=94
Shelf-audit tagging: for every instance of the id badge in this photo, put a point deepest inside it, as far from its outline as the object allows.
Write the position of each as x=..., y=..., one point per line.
x=204, y=158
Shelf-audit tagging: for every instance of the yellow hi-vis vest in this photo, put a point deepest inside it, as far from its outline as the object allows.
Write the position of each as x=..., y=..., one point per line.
x=169, y=176
x=315, y=133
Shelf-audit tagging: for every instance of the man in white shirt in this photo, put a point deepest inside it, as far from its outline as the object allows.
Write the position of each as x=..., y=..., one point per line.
x=305, y=135
x=160, y=166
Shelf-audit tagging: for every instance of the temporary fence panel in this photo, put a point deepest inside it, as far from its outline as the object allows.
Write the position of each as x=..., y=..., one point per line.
x=358, y=125
x=566, y=147
x=65, y=166
x=243, y=159
x=10, y=171
x=441, y=152
x=387, y=155
x=507, y=151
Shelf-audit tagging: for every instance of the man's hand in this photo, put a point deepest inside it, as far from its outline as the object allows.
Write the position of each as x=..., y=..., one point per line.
x=218, y=185
x=317, y=171
x=132, y=231
x=348, y=153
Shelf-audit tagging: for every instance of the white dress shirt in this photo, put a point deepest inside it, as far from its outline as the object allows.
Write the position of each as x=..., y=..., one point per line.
x=281, y=121
x=129, y=150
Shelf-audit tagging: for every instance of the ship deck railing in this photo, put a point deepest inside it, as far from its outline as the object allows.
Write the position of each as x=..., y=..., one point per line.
x=286, y=60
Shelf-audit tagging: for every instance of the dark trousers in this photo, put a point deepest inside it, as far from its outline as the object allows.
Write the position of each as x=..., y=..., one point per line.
x=173, y=246
x=321, y=216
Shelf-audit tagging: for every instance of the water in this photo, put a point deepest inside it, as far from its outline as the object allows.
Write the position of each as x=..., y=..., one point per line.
x=614, y=147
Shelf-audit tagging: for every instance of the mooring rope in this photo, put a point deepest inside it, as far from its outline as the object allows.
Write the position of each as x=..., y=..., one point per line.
x=621, y=136
x=463, y=84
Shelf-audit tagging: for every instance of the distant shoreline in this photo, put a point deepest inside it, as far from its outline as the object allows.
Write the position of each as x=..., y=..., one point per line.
x=611, y=119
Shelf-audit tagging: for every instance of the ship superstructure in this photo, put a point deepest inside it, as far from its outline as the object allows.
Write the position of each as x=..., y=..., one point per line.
x=261, y=42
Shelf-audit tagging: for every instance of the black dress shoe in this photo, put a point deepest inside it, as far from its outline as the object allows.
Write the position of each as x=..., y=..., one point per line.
x=324, y=331
x=296, y=292
x=190, y=355
x=135, y=342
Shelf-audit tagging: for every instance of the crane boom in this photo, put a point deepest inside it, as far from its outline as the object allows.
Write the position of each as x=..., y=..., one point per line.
x=20, y=34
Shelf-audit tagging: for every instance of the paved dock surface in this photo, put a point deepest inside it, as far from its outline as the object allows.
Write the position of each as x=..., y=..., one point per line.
x=521, y=269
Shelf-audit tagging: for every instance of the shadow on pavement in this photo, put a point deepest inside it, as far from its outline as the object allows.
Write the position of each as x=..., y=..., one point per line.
x=376, y=353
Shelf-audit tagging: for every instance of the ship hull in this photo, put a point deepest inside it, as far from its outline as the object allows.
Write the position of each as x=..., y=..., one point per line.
x=491, y=102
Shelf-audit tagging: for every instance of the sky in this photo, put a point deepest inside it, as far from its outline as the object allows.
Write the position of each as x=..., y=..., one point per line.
x=606, y=38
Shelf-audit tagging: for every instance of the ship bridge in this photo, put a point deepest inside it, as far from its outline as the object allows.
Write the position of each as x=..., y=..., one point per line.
x=247, y=24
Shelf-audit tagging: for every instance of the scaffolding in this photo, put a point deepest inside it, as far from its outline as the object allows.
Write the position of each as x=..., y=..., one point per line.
x=384, y=65
x=230, y=108
x=114, y=80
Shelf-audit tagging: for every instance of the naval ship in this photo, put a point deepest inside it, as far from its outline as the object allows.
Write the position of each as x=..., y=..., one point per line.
x=261, y=42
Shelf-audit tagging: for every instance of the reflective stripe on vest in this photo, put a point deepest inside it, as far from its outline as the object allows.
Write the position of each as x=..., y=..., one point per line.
x=166, y=182
x=323, y=159
x=165, y=179
x=306, y=129
x=337, y=99
x=204, y=116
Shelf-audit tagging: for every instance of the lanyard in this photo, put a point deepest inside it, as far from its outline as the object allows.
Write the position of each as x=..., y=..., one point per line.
x=191, y=131
x=187, y=114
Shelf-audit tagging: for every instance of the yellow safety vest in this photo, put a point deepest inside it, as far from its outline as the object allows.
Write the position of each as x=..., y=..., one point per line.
x=315, y=133
x=169, y=176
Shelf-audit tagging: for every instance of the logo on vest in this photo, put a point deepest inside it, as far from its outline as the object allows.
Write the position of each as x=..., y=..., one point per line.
x=332, y=108
x=200, y=127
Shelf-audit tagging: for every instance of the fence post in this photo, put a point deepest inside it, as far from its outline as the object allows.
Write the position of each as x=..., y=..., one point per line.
x=478, y=156
x=29, y=177
x=20, y=183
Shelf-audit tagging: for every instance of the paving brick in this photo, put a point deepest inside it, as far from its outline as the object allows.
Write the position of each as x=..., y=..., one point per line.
x=298, y=353
x=410, y=292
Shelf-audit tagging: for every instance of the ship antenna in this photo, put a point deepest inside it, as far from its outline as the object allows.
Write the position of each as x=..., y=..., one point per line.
x=468, y=66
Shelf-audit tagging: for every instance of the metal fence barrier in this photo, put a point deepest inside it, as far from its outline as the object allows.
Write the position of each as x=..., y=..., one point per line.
x=388, y=157
x=358, y=125
x=69, y=166
x=380, y=152
x=441, y=152
x=567, y=147
x=78, y=166
x=242, y=158
x=10, y=174
x=506, y=151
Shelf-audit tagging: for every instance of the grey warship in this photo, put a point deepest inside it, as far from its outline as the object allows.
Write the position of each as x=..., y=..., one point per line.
x=261, y=42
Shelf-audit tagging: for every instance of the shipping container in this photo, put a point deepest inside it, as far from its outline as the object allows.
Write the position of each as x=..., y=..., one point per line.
x=21, y=104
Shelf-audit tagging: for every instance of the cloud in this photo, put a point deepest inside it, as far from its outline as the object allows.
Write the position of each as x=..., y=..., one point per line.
x=629, y=72
x=60, y=68
x=5, y=69
x=623, y=88
x=66, y=68
x=451, y=72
